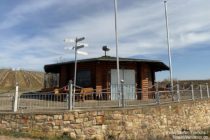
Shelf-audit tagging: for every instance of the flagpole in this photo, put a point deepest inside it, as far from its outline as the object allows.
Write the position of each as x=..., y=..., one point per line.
x=169, y=47
x=117, y=55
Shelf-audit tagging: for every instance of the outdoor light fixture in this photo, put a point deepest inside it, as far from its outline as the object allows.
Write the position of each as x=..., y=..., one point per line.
x=76, y=47
x=105, y=49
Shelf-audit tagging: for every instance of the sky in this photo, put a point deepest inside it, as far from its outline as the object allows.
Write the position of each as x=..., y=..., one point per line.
x=32, y=32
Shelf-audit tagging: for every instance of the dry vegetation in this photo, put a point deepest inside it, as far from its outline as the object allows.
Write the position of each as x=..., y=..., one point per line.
x=185, y=83
x=28, y=80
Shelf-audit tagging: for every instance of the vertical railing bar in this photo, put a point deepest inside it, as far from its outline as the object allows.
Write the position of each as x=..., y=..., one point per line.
x=70, y=101
x=207, y=88
x=157, y=94
x=122, y=92
x=201, y=91
x=178, y=93
x=15, y=108
x=193, y=95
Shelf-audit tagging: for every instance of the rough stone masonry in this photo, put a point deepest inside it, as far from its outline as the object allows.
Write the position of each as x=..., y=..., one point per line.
x=129, y=123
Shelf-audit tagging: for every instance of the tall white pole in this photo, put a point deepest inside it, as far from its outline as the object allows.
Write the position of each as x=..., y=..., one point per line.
x=15, y=108
x=75, y=61
x=117, y=56
x=75, y=70
x=169, y=47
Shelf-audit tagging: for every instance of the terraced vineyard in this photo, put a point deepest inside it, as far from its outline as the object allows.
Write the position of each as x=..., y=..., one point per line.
x=28, y=80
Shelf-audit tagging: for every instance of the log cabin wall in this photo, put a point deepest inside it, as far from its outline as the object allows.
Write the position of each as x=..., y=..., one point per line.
x=101, y=74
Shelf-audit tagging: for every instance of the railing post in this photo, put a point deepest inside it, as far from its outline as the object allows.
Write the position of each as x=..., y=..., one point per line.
x=15, y=105
x=122, y=90
x=207, y=88
x=178, y=93
x=70, y=101
x=157, y=97
x=201, y=91
x=157, y=94
x=192, y=88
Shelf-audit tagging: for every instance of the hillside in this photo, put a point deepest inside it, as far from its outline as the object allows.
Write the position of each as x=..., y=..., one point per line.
x=28, y=80
x=185, y=83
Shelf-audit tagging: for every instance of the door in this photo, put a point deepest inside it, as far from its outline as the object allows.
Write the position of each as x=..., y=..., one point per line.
x=129, y=84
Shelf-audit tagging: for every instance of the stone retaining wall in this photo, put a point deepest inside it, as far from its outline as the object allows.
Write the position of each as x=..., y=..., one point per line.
x=134, y=123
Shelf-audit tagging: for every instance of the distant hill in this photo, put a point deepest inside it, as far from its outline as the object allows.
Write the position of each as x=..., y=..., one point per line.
x=186, y=83
x=27, y=80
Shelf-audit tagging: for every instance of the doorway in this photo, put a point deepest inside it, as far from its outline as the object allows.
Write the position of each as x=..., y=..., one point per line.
x=128, y=75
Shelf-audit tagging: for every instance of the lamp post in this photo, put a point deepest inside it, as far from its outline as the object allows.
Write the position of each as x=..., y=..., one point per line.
x=117, y=56
x=169, y=47
x=76, y=47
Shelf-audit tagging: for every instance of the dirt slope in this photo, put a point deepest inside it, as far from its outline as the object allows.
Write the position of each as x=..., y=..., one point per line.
x=27, y=80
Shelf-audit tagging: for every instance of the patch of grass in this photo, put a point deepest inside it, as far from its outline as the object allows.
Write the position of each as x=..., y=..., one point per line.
x=14, y=134
x=17, y=134
x=208, y=132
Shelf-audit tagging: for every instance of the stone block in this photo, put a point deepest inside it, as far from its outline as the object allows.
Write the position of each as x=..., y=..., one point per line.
x=68, y=117
x=75, y=126
x=58, y=117
x=50, y=118
x=104, y=128
x=79, y=120
x=56, y=127
x=41, y=117
x=67, y=129
x=89, y=131
x=98, y=137
x=100, y=113
x=82, y=115
x=78, y=131
x=73, y=135
x=58, y=122
x=66, y=122
x=76, y=114
x=116, y=116
x=86, y=119
x=93, y=113
x=88, y=124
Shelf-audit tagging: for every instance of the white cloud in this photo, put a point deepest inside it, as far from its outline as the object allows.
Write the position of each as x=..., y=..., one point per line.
x=20, y=12
x=190, y=38
x=141, y=30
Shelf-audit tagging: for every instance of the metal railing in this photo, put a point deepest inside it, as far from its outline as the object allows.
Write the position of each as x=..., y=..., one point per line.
x=130, y=96
x=6, y=102
x=42, y=101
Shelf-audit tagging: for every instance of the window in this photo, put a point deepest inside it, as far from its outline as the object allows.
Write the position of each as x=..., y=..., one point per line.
x=84, y=78
x=51, y=80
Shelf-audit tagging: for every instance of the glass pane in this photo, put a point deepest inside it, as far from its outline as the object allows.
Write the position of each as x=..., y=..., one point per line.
x=84, y=78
